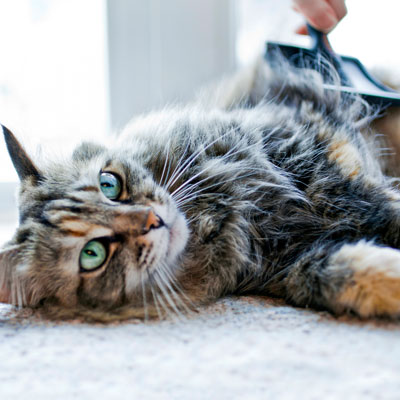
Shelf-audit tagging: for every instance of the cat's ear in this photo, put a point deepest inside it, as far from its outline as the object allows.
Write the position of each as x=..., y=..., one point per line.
x=22, y=163
x=9, y=261
x=87, y=151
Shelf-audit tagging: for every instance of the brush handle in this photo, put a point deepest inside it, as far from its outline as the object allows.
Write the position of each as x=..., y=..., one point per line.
x=320, y=41
x=321, y=45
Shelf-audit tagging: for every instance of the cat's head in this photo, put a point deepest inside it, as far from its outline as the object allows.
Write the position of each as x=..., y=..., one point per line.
x=95, y=232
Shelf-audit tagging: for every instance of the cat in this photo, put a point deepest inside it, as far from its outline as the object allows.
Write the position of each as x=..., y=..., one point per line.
x=271, y=185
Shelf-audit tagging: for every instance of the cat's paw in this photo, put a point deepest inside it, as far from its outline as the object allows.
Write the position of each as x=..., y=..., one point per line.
x=374, y=288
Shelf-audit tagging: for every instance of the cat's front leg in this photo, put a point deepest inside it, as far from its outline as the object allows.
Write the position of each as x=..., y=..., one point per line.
x=361, y=277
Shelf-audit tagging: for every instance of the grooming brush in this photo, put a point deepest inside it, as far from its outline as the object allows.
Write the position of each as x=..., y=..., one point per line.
x=354, y=78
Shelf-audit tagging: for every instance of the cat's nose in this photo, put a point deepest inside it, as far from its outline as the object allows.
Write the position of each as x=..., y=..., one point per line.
x=137, y=221
x=153, y=221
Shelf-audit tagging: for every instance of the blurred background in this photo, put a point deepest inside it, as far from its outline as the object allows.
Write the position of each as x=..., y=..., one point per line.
x=82, y=68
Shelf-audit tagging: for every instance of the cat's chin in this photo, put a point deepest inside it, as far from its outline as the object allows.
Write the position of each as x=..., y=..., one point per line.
x=178, y=237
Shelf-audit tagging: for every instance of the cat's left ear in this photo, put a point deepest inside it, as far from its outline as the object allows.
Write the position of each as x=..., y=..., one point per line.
x=22, y=163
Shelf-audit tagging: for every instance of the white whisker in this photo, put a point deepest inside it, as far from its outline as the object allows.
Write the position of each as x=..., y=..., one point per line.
x=173, y=283
x=146, y=316
x=158, y=295
x=154, y=295
x=195, y=194
x=194, y=157
x=199, y=173
x=161, y=284
x=226, y=156
x=165, y=163
x=178, y=164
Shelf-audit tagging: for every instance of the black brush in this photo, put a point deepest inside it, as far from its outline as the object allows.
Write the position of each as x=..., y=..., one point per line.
x=354, y=78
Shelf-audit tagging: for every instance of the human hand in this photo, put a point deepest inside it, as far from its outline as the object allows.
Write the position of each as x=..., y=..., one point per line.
x=323, y=15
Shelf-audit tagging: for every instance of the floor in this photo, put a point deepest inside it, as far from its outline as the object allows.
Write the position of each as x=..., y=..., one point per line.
x=240, y=348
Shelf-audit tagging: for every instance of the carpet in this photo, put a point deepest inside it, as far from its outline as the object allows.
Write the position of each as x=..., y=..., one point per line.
x=239, y=348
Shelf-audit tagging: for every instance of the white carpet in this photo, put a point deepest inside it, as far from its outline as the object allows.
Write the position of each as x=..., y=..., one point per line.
x=240, y=348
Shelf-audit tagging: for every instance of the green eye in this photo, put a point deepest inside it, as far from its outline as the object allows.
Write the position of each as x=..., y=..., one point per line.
x=110, y=185
x=92, y=255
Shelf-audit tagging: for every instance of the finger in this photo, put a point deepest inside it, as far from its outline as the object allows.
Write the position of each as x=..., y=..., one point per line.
x=320, y=14
x=302, y=30
x=339, y=7
x=295, y=8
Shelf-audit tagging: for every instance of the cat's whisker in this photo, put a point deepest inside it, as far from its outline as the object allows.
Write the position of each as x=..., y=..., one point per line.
x=162, y=285
x=166, y=310
x=195, y=194
x=154, y=294
x=191, y=187
x=161, y=296
x=142, y=279
x=180, y=168
x=153, y=277
x=165, y=163
x=170, y=162
x=179, y=303
x=264, y=185
x=227, y=155
x=178, y=164
x=195, y=155
x=170, y=279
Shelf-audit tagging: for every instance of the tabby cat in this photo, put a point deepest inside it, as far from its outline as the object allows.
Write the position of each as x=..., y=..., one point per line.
x=272, y=185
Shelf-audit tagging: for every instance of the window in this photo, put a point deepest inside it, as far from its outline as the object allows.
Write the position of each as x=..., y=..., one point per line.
x=52, y=73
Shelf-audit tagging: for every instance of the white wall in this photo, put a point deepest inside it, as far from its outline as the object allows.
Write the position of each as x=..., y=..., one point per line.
x=162, y=51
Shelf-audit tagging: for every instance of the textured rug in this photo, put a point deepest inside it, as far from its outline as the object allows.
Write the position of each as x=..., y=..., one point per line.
x=239, y=348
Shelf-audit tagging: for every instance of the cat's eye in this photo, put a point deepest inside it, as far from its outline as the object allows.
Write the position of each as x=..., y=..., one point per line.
x=110, y=185
x=92, y=255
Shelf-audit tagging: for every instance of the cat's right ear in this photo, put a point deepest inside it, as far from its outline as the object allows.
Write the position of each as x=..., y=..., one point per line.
x=22, y=163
